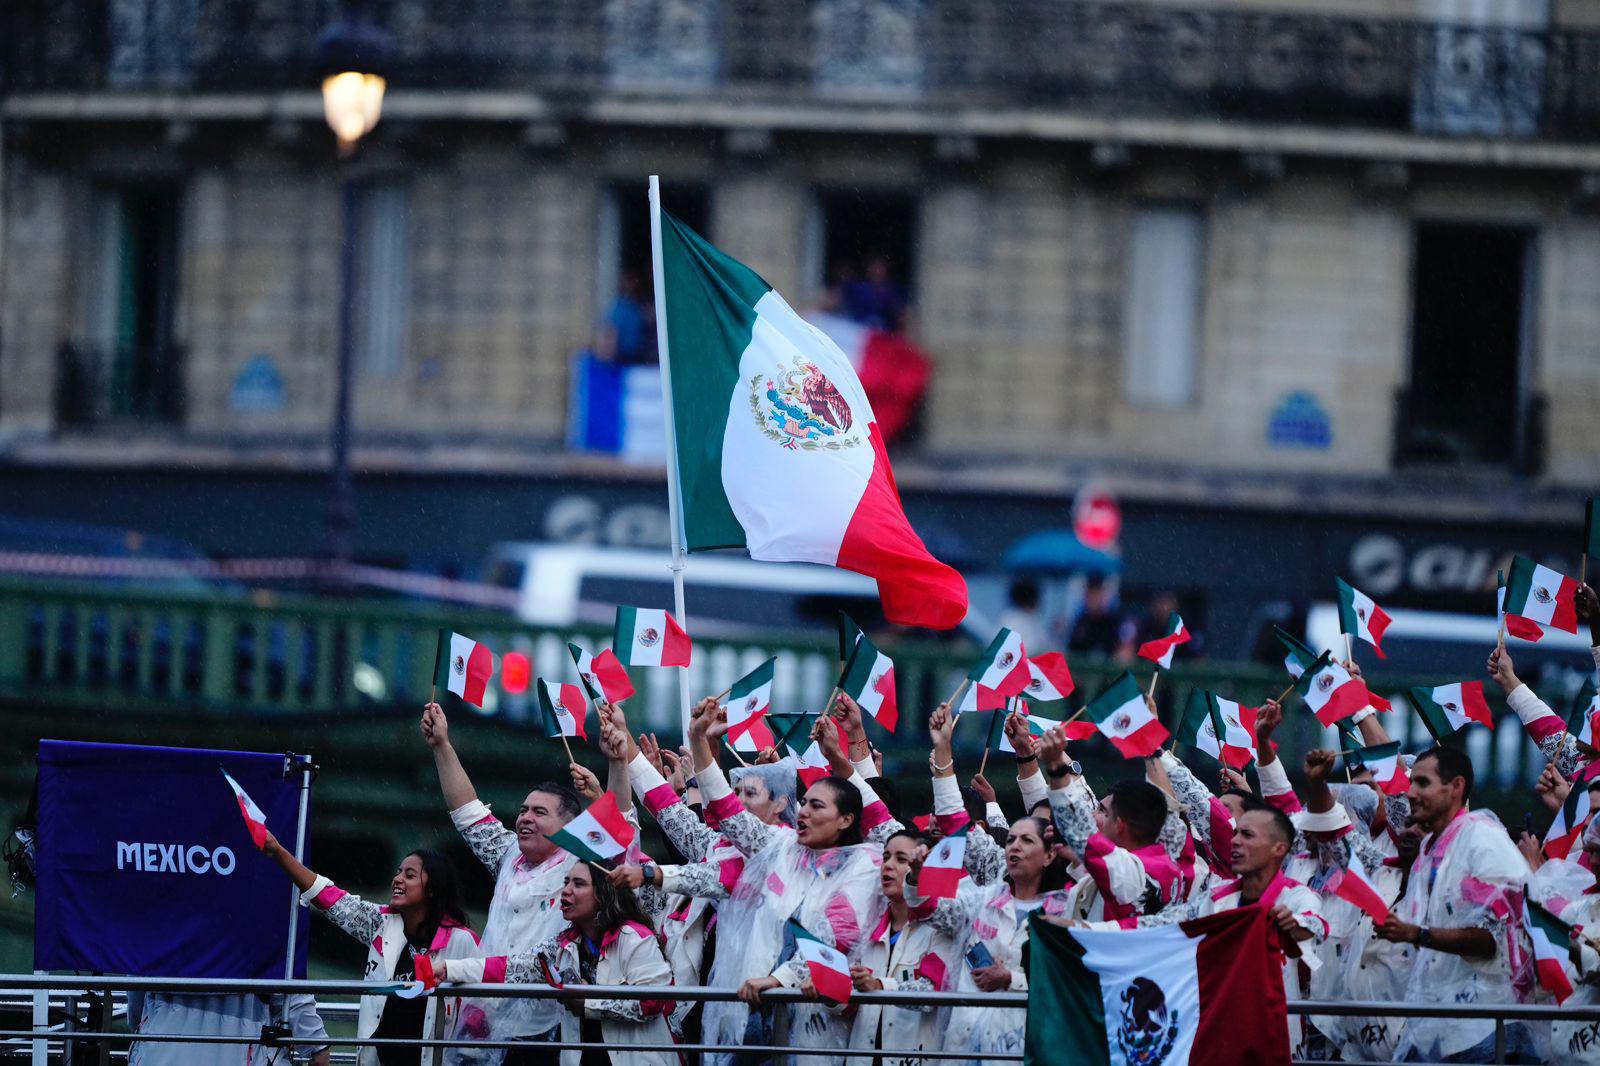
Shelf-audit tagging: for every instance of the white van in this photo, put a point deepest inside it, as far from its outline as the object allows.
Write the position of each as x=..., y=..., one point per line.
x=725, y=595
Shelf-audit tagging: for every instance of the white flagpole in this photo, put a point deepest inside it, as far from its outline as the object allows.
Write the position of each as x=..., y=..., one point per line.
x=674, y=501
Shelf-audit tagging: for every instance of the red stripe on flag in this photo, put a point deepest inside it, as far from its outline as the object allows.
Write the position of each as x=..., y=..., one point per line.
x=614, y=680
x=1377, y=622
x=1347, y=699
x=480, y=664
x=1566, y=612
x=829, y=983
x=916, y=589
x=1474, y=705
x=1523, y=628
x=888, y=712
x=1351, y=888
x=1244, y=1016
x=937, y=882
x=675, y=647
x=1143, y=741
x=573, y=700
x=1553, y=978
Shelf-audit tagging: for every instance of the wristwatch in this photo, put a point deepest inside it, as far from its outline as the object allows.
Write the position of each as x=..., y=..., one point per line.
x=648, y=871
x=1424, y=937
x=1073, y=767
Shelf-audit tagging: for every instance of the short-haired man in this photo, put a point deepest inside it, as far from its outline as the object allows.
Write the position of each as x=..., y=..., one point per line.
x=529, y=872
x=1118, y=840
x=1460, y=898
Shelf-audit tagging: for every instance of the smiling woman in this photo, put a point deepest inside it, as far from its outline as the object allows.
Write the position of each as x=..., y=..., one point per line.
x=423, y=920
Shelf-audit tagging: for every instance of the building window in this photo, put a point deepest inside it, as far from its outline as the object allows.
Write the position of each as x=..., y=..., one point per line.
x=862, y=254
x=624, y=276
x=1162, y=301
x=1470, y=333
x=124, y=362
x=383, y=283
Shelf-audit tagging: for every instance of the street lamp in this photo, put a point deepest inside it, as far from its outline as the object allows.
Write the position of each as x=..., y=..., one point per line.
x=352, y=57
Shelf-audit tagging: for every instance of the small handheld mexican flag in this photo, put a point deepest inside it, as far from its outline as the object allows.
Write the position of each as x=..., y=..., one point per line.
x=1448, y=708
x=1388, y=769
x=749, y=700
x=1206, y=992
x=1360, y=617
x=868, y=679
x=942, y=869
x=979, y=698
x=1003, y=666
x=1038, y=724
x=602, y=675
x=1121, y=714
x=1551, y=948
x=1220, y=728
x=1514, y=624
x=600, y=833
x=1297, y=656
x=1569, y=824
x=1353, y=885
x=794, y=732
x=463, y=666
x=1583, y=712
x=646, y=636
x=1330, y=691
x=1540, y=595
x=1048, y=678
x=1159, y=651
x=562, y=709
x=254, y=819
x=830, y=970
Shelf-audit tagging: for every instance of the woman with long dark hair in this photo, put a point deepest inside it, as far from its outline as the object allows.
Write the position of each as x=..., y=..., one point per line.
x=423, y=921
x=609, y=941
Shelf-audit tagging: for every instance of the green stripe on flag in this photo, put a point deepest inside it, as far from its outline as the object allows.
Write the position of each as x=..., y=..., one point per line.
x=1065, y=1007
x=441, y=661
x=1557, y=932
x=710, y=310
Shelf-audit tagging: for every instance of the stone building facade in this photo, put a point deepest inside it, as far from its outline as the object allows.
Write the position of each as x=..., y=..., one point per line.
x=1276, y=238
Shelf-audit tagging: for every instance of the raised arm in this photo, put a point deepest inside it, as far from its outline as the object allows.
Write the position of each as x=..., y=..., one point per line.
x=453, y=781
x=877, y=824
x=1546, y=728
x=350, y=913
x=1275, y=787
x=984, y=858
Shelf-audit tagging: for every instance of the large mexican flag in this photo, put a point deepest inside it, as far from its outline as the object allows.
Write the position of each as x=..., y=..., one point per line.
x=1200, y=992
x=778, y=451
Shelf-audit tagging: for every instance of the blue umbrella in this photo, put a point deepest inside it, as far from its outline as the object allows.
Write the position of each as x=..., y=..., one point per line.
x=1058, y=551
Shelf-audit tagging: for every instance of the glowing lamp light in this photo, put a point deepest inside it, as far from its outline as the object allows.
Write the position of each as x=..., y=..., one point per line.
x=352, y=103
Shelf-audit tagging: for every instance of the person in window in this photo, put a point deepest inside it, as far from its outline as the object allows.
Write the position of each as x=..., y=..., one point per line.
x=423, y=919
x=876, y=300
x=628, y=334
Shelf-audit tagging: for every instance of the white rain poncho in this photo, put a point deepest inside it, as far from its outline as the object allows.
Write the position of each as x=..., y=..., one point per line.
x=991, y=916
x=1470, y=874
x=832, y=892
x=1570, y=892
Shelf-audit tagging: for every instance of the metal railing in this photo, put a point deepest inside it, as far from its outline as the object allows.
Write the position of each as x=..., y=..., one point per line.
x=43, y=986
x=1124, y=58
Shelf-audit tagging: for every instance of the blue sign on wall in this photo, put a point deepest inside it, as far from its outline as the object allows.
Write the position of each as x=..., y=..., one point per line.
x=1299, y=422
x=146, y=867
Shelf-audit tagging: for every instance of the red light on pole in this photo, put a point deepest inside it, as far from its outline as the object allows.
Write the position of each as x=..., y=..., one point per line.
x=515, y=670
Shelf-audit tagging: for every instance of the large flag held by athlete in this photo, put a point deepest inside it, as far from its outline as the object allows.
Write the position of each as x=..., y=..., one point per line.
x=1206, y=991
x=778, y=451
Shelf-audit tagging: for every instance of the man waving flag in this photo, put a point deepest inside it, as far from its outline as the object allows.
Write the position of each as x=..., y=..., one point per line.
x=778, y=449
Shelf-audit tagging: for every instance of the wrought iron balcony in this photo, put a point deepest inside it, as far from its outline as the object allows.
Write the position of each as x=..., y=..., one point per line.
x=1124, y=58
x=100, y=385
